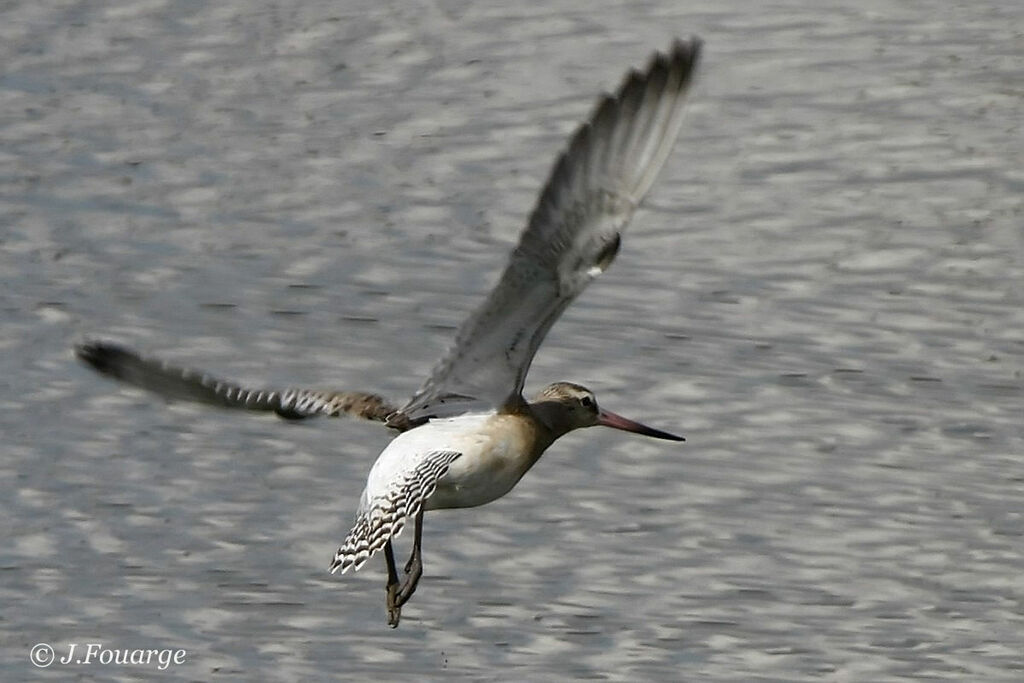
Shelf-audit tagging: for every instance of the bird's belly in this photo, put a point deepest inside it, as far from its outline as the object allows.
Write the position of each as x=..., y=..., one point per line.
x=476, y=479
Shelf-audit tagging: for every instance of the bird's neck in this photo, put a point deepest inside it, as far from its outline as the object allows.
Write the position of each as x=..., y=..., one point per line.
x=541, y=421
x=551, y=418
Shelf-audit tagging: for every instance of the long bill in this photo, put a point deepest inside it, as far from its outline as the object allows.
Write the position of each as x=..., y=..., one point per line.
x=610, y=419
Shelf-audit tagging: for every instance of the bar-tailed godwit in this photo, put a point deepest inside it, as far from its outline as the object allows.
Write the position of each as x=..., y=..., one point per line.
x=469, y=435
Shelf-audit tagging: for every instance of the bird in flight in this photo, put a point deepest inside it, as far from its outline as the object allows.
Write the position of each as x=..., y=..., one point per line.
x=468, y=435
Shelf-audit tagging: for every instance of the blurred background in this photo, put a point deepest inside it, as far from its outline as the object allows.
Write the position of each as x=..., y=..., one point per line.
x=824, y=293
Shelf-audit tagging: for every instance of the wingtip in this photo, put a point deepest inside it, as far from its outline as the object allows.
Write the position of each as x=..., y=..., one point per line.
x=681, y=58
x=682, y=55
x=84, y=348
x=97, y=354
x=685, y=54
x=686, y=48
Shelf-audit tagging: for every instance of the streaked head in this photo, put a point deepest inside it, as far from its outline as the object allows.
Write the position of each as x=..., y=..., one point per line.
x=564, y=406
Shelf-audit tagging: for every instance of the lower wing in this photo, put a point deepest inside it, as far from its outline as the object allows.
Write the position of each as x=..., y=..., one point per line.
x=185, y=384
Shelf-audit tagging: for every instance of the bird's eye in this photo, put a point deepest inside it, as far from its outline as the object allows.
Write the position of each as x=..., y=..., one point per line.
x=587, y=402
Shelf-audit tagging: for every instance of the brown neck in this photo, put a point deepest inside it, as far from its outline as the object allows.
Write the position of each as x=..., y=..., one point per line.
x=543, y=419
x=552, y=418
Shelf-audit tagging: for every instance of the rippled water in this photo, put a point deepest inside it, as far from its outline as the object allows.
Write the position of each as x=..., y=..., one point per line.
x=825, y=293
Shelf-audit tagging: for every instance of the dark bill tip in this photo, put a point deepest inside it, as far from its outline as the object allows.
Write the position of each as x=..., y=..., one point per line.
x=610, y=419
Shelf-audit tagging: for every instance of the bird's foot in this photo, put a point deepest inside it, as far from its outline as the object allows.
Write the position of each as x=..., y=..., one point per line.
x=394, y=607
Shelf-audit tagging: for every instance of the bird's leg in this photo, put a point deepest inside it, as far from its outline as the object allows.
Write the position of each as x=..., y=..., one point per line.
x=417, y=540
x=399, y=594
x=414, y=567
x=394, y=607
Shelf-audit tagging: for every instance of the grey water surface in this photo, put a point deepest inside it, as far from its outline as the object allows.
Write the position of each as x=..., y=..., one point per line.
x=824, y=293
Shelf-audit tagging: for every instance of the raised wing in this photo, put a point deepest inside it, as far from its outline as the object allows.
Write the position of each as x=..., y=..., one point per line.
x=390, y=498
x=573, y=235
x=185, y=384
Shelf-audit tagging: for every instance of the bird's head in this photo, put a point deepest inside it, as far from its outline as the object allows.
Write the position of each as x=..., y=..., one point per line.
x=564, y=406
